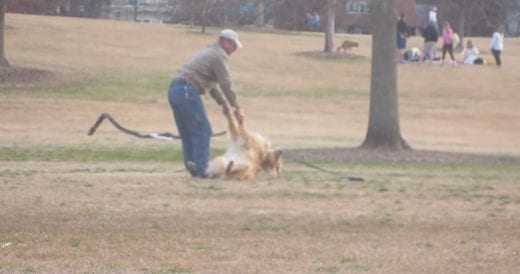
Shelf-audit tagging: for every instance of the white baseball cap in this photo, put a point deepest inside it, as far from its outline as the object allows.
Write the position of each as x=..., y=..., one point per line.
x=231, y=35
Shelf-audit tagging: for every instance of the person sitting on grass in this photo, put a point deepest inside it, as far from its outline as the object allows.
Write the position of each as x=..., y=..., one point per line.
x=470, y=54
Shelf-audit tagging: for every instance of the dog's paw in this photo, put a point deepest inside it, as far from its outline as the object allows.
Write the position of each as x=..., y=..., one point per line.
x=229, y=167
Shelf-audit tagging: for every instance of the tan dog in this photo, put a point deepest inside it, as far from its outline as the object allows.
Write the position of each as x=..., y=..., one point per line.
x=347, y=45
x=246, y=155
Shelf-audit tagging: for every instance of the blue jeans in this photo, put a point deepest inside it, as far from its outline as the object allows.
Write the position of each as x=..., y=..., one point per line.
x=192, y=124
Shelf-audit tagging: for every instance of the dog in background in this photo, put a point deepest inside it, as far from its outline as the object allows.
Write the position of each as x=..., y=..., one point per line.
x=247, y=154
x=347, y=45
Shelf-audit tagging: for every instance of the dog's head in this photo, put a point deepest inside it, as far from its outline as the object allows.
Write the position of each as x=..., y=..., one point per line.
x=272, y=163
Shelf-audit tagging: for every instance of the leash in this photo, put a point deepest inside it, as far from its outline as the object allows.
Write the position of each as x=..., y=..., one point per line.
x=313, y=166
x=165, y=136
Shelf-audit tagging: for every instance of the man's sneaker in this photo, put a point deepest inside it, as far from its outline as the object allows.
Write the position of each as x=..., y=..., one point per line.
x=192, y=168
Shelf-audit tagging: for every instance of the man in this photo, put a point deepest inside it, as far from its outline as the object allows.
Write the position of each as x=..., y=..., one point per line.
x=203, y=73
x=316, y=21
x=431, y=37
x=308, y=19
x=402, y=35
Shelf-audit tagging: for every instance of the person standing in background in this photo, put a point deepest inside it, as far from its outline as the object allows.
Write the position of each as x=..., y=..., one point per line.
x=447, y=42
x=497, y=45
x=402, y=35
x=316, y=21
x=308, y=20
x=431, y=37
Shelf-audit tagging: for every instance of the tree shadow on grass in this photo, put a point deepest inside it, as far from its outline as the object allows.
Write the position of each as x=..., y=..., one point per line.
x=16, y=77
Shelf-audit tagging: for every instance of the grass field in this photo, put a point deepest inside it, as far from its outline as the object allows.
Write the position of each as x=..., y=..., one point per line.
x=112, y=203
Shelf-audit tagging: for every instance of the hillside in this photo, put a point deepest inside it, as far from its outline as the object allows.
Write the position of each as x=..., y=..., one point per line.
x=315, y=101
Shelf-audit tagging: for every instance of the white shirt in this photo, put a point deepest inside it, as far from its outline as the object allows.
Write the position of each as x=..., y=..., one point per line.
x=432, y=16
x=497, y=41
x=470, y=55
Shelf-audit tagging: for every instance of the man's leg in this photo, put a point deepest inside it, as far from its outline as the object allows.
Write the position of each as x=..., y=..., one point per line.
x=198, y=128
x=496, y=54
x=186, y=141
x=176, y=96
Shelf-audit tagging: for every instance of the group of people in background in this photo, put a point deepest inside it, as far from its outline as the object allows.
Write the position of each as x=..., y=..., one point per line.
x=450, y=40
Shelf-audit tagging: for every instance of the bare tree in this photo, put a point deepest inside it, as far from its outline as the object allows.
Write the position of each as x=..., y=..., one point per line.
x=330, y=29
x=3, y=60
x=383, y=126
x=198, y=12
x=476, y=17
x=259, y=13
x=136, y=9
x=204, y=18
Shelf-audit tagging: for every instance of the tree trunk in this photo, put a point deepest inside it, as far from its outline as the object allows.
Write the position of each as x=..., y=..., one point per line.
x=3, y=60
x=259, y=13
x=460, y=28
x=383, y=126
x=331, y=18
x=136, y=10
x=75, y=7
x=203, y=17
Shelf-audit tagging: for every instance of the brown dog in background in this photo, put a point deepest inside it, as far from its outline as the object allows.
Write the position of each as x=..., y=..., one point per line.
x=347, y=45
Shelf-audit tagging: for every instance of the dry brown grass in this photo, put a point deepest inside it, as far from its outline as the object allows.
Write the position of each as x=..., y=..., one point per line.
x=148, y=218
x=142, y=217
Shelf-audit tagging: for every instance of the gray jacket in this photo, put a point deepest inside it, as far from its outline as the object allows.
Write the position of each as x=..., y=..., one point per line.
x=207, y=69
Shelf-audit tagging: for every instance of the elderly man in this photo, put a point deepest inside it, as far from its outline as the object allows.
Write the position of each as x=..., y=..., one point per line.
x=205, y=72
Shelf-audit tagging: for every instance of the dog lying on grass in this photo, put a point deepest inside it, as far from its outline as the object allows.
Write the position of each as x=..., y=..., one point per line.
x=347, y=45
x=247, y=154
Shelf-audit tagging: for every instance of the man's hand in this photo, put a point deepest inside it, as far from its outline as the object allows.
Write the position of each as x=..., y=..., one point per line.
x=239, y=114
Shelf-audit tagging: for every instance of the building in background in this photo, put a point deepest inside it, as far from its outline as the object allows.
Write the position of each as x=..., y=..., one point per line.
x=354, y=15
x=145, y=11
x=473, y=18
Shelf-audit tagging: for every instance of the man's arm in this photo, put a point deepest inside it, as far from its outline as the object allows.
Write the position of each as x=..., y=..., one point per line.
x=224, y=81
x=218, y=96
x=221, y=71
